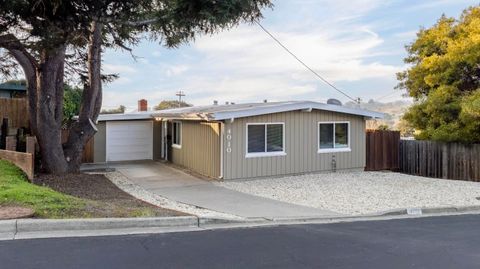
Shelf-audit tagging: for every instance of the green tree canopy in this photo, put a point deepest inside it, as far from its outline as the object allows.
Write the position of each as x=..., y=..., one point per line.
x=119, y=110
x=72, y=100
x=444, y=79
x=166, y=104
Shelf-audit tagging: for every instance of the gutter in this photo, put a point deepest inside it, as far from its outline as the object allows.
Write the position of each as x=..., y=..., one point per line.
x=222, y=136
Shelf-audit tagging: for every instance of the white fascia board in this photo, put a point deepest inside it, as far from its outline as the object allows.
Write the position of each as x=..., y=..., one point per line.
x=292, y=107
x=170, y=116
x=115, y=117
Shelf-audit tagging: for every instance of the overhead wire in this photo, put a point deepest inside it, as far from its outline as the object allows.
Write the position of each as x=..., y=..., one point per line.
x=356, y=100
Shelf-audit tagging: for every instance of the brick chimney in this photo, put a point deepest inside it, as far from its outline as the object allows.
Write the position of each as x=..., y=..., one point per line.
x=142, y=105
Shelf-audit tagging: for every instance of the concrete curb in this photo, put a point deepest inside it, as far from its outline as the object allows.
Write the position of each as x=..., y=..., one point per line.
x=36, y=225
x=427, y=210
x=8, y=226
x=50, y=228
x=8, y=229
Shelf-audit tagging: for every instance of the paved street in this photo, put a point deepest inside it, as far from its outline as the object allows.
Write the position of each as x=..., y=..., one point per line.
x=436, y=242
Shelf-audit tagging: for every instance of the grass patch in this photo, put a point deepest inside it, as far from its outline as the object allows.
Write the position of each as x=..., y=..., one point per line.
x=72, y=196
x=15, y=189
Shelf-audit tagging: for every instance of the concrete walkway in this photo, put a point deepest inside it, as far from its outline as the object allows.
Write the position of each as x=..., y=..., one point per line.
x=179, y=186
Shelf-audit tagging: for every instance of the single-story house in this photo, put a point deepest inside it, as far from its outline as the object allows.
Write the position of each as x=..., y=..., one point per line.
x=234, y=141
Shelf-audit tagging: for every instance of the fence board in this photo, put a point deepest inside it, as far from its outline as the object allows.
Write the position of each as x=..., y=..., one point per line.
x=16, y=111
x=440, y=160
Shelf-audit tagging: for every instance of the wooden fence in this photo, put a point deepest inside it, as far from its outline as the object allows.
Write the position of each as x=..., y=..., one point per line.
x=15, y=110
x=382, y=150
x=440, y=160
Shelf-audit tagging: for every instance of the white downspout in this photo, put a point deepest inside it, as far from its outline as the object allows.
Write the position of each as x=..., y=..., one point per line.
x=222, y=136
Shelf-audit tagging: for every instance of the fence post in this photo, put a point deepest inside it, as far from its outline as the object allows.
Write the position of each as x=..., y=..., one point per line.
x=31, y=145
x=4, y=133
x=445, y=161
x=11, y=143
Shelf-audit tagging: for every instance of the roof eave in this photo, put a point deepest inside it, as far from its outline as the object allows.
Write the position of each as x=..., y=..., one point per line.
x=293, y=107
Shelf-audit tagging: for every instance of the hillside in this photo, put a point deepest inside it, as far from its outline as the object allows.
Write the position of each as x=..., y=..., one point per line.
x=393, y=110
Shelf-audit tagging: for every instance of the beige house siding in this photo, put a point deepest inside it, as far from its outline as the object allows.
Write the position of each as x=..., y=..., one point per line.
x=200, y=149
x=301, y=145
x=99, y=145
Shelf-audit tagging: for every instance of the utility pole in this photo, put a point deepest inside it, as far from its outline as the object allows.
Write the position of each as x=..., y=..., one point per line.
x=180, y=94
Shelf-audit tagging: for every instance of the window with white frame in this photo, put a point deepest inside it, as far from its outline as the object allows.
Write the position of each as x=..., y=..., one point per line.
x=177, y=134
x=333, y=136
x=265, y=139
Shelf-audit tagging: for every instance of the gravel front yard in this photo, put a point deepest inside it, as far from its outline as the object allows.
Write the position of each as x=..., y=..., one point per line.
x=362, y=192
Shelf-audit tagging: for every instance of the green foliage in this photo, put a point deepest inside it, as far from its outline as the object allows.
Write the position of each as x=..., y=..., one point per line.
x=21, y=82
x=383, y=127
x=118, y=110
x=167, y=104
x=16, y=190
x=72, y=100
x=444, y=80
x=172, y=22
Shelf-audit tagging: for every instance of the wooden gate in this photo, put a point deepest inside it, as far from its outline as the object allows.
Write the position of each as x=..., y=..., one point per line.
x=382, y=150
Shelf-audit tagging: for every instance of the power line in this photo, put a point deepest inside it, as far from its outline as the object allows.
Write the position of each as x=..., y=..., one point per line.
x=385, y=96
x=304, y=64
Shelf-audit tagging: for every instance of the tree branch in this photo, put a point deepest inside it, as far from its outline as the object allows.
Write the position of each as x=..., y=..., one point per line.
x=11, y=43
x=29, y=65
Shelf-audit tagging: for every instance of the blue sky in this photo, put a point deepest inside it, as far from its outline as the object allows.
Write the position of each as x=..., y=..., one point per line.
x=358, y=45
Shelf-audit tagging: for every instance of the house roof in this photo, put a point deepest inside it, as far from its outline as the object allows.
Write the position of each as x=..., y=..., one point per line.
x=231, y=111
x=12, y=87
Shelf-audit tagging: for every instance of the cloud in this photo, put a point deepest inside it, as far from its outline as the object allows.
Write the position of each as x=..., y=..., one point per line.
x=176, y=70
x=337, y=39
x=246, y=64
x=118, y=68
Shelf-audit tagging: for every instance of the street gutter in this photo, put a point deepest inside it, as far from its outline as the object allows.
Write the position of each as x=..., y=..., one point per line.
x=55, y=228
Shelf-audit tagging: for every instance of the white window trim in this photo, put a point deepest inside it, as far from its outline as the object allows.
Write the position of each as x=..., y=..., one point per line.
x=265, y=154
x=347, y=149
x=177, y=146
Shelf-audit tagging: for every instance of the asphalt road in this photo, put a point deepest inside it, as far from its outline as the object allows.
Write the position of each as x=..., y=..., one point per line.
x=437, y=242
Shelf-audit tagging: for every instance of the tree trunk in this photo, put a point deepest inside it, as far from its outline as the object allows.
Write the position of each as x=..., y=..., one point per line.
x=49, y=110
x=84, y=129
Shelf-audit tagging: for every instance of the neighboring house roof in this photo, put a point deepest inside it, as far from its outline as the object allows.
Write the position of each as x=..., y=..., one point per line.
x=12, y=87
x=232, y=111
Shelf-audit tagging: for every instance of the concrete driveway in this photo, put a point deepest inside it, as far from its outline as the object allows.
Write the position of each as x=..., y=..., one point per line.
x=179, y=186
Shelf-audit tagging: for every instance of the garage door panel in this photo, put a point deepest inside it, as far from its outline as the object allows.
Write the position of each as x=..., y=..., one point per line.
x=129, y=140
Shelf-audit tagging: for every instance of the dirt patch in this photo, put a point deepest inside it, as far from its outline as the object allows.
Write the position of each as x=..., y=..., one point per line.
x=15, y=212
x=104, y=199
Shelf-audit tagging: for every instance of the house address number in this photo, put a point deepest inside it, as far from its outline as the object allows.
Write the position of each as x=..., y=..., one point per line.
x=229, y=138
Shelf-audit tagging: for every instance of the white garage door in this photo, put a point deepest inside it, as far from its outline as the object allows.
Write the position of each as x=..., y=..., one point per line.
x=129, y=140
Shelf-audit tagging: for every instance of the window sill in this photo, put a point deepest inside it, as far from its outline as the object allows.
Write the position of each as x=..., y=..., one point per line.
x=265, y=154
x=176, y=146
x=334, y=150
